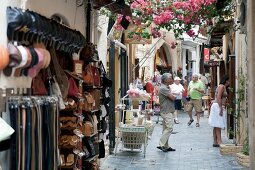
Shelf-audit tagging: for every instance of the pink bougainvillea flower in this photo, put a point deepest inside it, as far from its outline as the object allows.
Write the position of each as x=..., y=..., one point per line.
x=179, y=16
x=191, y=33
x=173, y=45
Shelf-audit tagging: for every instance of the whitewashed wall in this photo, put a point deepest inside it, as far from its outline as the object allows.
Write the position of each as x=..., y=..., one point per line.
x=101, y=28
x=68, y=9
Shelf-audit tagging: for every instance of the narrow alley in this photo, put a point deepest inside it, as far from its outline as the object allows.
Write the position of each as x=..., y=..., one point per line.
x=193, y=146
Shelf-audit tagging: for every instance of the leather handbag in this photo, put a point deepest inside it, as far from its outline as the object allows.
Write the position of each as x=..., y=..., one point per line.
x=90, y=146
x=95, y=122
x=38, y=86
x=87, y=51
x=59, y=73
x=88, y=102
x=102, y=125
x=96, y=93
x=87, y=128
x=88, y=76
x=85, y=150
x=106, y=81
x=101, y=149
x=93, y=165
x=73, y=89
x=96, y=76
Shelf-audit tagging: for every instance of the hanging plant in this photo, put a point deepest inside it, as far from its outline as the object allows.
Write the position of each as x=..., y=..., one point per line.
x=179, y=17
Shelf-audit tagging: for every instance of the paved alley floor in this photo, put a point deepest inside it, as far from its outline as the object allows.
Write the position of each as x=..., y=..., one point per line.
x=193, y=146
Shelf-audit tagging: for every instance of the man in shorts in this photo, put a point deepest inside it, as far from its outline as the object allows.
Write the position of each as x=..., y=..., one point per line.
x=196, y=90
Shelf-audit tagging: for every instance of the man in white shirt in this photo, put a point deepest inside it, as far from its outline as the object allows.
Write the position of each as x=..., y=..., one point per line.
x=177, y=90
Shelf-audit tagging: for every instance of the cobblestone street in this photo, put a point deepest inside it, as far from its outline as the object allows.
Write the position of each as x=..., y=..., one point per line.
x=193, y=146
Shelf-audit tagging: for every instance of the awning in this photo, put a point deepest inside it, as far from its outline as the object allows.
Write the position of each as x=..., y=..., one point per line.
x=151, y=52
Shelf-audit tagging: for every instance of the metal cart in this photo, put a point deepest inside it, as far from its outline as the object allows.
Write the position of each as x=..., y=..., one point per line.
x=131, y=136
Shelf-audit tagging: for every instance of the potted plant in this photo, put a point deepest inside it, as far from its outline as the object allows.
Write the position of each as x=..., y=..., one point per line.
x=243, y=157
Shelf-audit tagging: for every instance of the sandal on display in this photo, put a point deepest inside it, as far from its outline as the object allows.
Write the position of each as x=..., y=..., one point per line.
x=70, y=160
x=197, y=125
x=190, y=121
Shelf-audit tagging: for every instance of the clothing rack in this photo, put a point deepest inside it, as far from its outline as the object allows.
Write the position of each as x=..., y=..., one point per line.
x=34, y=144
x=29, y=26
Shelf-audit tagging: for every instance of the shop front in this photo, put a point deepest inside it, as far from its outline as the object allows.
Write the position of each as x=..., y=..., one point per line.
x=53, y=87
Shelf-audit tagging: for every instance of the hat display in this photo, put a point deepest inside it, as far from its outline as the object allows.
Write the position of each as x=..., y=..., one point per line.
x=177, y=78
x=17, y=69
x=15, y=58
x=4, y=57
x=32, y=72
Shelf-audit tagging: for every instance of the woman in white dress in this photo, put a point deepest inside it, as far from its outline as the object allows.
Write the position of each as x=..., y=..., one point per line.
x=217, y=118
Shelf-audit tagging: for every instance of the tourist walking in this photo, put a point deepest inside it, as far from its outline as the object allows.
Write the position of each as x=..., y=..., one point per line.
x=166, y=100
x=149, y=87
x=185, y=98
x=196, y=90
x=217, y=118
x=177, y=90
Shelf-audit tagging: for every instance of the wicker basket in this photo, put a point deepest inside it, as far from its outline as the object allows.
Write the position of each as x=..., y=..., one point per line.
x=133, y=140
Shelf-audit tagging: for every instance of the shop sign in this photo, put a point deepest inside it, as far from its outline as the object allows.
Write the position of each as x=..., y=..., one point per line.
x=206, y=55
x=214, y=63
x=137, y=34
x=115, y=33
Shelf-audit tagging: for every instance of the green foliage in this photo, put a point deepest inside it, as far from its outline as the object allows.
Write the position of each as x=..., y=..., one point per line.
x=238, y=101
x=108, y=13
x=246, y=147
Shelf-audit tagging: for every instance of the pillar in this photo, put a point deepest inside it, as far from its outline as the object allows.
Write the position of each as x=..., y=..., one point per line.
x=184, y=62
x=251, y=78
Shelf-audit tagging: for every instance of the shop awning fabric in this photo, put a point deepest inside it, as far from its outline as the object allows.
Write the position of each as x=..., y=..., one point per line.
x=117, y=6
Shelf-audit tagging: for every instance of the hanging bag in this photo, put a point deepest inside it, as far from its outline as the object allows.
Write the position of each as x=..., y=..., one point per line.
x=87, y=51
x=60, y=75
x=87, y=128
x=106, y=81
x=88, y=76
x=96, y=94
x=96, y=75
x=38, y=86
x=73, y=90
x=88, y=102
